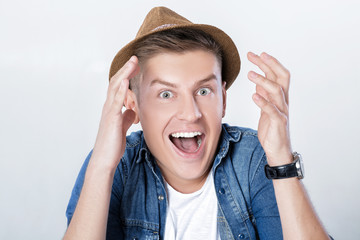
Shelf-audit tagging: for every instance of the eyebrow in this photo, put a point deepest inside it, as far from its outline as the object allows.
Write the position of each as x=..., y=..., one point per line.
x=169, y=84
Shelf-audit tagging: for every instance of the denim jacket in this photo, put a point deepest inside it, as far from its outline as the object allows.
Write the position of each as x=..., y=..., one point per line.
x=247, y=207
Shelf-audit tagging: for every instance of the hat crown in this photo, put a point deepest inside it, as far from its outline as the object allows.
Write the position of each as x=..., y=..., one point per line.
x=160, y=17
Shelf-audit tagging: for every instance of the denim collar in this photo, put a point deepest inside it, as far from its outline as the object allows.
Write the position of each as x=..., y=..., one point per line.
x=144, y=150
x=228, y=134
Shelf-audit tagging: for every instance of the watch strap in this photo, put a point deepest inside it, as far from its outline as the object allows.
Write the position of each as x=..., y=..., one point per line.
x=280, y=172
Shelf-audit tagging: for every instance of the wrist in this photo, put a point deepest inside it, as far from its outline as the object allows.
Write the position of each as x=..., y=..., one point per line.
x=99, y=166
x=287, y=170
x=280, y=159
x=105, y=160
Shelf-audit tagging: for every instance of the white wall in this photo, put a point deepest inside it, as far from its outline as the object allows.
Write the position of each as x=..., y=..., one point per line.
x=54, y=60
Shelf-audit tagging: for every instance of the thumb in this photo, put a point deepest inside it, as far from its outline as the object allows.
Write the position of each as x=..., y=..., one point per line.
x=128, y=119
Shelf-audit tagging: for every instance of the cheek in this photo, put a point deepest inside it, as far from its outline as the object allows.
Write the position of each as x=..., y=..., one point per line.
x=155, y=116
x=155, y=109
x=212, y=106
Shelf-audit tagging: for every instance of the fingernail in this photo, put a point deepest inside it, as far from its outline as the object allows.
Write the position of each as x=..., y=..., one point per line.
x=253, y=74
x=256, y=97
x=267, y=56
x=252, y=54
x=132, y=59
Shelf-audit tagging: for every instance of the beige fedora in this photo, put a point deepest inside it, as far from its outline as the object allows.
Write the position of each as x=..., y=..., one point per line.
x=162, y=18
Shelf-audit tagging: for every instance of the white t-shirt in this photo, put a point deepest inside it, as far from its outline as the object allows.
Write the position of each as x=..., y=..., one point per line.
x=194, y=215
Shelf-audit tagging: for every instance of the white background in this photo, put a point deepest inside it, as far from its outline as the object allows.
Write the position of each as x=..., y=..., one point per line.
x=54, y=61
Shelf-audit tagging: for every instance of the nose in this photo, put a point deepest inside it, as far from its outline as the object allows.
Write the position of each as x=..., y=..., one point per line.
x=188, y=109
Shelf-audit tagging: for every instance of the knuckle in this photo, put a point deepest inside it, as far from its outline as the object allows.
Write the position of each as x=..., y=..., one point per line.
x=283, y=119
x=276, y=89
x=117, y=102
x=279, y=90
x=263, y=80
x=112, y=85
x=286, y=74
x=274, y=110
x=286, y=111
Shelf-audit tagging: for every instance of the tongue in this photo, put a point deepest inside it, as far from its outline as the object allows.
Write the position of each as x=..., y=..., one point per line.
x=188, y=145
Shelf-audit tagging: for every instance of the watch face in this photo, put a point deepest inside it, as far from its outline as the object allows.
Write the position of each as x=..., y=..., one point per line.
x=299, y=165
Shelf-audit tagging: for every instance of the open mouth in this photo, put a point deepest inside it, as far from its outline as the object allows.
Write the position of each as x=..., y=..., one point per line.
x=187, y=142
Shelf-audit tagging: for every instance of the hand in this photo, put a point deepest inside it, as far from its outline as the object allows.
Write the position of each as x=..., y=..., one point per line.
x=272, y=97
x=111, y=139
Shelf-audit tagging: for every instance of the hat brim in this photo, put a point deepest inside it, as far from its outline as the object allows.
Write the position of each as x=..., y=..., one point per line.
x=230, y=59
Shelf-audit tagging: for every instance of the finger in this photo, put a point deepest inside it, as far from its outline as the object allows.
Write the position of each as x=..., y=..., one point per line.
x=268, y=108
x=274, y=92
x=255, y=59
x=118, y=101
x=132, y=59
x=261, y=91
x=129, y=70
x=282, y=74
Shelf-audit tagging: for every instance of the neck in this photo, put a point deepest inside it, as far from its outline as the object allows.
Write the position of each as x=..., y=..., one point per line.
x=186, y=185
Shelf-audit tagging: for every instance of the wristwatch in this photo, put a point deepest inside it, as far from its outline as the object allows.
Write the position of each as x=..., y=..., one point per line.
x=294, y=169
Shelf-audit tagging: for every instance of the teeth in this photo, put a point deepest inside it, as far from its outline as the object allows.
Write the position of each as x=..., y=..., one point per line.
x=199, y=143
x=186, y=134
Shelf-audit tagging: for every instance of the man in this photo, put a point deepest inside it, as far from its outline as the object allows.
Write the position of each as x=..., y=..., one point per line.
x=187, y=175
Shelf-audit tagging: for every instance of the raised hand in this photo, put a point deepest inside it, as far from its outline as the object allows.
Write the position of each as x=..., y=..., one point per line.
x=111, y=139
x=272, y=97
x=90, y=217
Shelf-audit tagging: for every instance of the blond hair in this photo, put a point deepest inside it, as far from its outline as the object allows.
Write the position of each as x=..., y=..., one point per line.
x=173, y=40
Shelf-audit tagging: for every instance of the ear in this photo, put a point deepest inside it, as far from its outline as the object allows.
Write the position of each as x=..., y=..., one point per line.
x=224, y=97
x=131, y=103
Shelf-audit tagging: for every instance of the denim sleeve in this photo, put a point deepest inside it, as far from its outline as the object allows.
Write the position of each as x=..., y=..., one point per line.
x=114, y=224
x=75, y=194
x=115, y=194
x=263, y=203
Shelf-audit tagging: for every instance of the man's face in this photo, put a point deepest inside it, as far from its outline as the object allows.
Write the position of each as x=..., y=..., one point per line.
x=180, y=105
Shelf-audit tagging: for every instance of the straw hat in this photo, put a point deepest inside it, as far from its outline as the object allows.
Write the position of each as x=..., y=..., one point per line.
x=162, y=18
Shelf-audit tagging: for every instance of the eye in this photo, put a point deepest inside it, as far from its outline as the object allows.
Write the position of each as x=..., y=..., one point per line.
x=204, y=91
x=166, y=94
